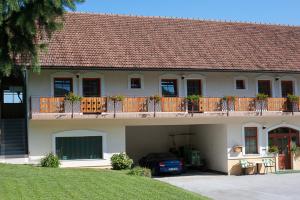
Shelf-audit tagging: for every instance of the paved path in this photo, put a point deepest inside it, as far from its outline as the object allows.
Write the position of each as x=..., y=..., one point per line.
x=266, y=187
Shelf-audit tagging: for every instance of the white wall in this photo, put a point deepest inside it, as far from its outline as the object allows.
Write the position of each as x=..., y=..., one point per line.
x=211, y=140
x=217, y=84
x=141, y=140
x=41, y=133
x=235, y=132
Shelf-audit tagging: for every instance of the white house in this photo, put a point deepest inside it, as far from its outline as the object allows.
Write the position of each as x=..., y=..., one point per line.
x=99, y=56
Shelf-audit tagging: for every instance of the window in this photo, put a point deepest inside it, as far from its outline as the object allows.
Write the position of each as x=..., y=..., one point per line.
x=70, y=148
x=264, y=87
x=91, y=87
x=251, y=140
x=62, y=86
x=194, y=87
x=287, y=87
x=135, y=83
x=169, y=87
x=240, y=84
x=13, y=94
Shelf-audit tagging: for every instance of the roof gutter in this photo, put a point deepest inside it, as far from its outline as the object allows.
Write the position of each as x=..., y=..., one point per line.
x=164, y=69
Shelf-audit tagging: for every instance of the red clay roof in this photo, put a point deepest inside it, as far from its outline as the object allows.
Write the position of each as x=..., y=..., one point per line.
x=128, y=42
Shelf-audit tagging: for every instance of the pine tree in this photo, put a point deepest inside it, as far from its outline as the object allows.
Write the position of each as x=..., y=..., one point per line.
x=25, y=28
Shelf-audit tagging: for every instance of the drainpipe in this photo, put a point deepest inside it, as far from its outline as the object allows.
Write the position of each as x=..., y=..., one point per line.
x=25, y=99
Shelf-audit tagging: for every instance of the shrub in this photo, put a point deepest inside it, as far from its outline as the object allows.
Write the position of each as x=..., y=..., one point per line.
x=155, y=98
x=72, y=97
x=193, y=98
x=117, y=98
x=140, y=171
x=229, y=98
x=293, y=98
x=261, y=96
x=273, y=149
x=50, y=160
x=121, y=161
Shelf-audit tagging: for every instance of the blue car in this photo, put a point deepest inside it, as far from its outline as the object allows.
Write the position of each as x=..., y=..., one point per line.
x=162, y=163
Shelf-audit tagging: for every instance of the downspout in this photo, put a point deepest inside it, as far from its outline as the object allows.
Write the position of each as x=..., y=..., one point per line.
x=26, y=108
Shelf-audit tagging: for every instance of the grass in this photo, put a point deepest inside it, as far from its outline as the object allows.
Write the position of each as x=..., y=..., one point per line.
x=28, y=182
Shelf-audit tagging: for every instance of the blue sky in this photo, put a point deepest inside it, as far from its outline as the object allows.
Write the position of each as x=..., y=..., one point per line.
x=266, y=11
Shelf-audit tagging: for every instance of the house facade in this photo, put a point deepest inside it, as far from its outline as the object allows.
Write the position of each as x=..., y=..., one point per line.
x=120, y=65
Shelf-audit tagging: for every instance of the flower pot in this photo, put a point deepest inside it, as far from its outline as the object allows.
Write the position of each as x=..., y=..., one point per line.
x=237, y=149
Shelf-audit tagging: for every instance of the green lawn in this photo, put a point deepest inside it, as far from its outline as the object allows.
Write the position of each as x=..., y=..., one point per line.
x=27, y=182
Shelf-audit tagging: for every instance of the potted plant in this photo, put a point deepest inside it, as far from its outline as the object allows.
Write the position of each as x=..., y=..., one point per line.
x=261, y=100
x=193, y=100
x=237, y=148
x=293, y=102
x=155, y=99
x=115, y=100
x=295, y=149
x=229, y=103
x=273, y=150
x=73, y=99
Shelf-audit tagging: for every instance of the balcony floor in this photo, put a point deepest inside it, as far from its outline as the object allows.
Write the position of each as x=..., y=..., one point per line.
x=149, y=115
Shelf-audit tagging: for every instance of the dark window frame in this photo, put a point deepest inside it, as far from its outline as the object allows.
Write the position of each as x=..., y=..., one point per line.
x=99, y=86
x=286, y=92
x=251, y=138
x=140, y=83
x=62, y=79
x=270, y=85
x=175, y=81
x=199, y=82
x=237, y=84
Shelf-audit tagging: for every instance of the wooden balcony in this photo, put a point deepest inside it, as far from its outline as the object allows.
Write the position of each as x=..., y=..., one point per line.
x=105, y=107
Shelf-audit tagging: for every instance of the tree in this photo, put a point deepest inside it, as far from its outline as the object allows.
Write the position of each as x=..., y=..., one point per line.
x=25, y=28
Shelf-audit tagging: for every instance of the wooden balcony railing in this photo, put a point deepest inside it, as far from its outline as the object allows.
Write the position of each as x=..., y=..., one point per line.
x=167, y=104
x=173, y=104
x=51, y=105
x=93, y=105
x=135, y=104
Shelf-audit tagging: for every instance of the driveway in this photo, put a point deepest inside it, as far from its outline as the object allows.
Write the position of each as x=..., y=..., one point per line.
x=267, y=187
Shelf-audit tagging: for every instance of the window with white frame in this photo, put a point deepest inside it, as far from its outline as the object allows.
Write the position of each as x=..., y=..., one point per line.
x=240, y=83
x=251, y=140
x=135, y=81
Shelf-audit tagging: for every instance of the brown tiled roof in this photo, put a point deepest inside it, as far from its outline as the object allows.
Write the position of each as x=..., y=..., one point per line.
x=128, y=42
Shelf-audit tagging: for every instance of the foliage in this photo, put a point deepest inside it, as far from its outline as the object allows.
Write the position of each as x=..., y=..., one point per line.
x=261, y=96
x=229, y=98
x=140, y=171
x=73, y=97
x=273, y=149
x=117, y=98
x=295, y=149
x=50, y=160
x=25, y=28
x=121, y=161
x=293, y=98
x=193, y=98
x=155, y=98
x=32, y=183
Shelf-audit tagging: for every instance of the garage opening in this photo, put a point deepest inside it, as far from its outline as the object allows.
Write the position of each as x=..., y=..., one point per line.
x=203, y=146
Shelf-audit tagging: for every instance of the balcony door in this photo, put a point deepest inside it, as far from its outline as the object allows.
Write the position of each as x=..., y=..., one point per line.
x=194, y=87
x=287, y=87
x=91, y=87
x=264, y=87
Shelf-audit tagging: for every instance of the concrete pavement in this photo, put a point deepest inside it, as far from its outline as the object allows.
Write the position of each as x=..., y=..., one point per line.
x=221, y=187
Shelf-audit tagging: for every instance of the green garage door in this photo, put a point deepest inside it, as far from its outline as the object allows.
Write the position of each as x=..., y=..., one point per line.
x=70, y=148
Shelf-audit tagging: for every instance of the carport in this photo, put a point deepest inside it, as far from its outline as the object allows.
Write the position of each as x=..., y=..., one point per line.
x=210, y=140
